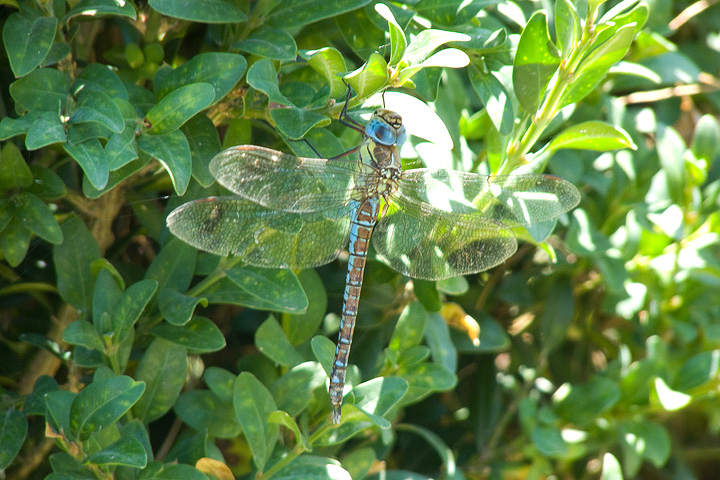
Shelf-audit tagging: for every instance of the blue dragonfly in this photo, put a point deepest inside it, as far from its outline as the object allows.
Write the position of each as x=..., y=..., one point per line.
x=294, y=212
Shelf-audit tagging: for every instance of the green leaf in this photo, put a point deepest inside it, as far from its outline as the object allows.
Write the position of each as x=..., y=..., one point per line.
x=536, y=61
x=279, y=417
x=438, y=339
x=328, y=62
x=35, y=401
x=28, y=38
x=271, y=43
x=102, y=403
x=360, y=461
x=428, y=295
x=670, y=149
x=379, y=395
x=422, y=46
x=13, y=429
x=107, y=292
x=227, y=291
x=315, y=468
x=294, y=123
x=302, y=327
x=128, y=309
x=453, y=12
x=437, y=443
x=296, y=13
x=410, y=327
x=72, y=260
x=14, y=242
x=220, y=381
x=7, y=212
x=592, y=135
x=549, y=441
x=204, y=141
x=47, y=184
x=611, y=468
x=44, y=131
x=706, y=139
x=558, y=314
x=697, y=370
x=14, y=171
x=427, y=378
x=179, y=106
x=177, y=308
x=581, y=404
x=116, y=177
x=11, y=127
x=91, y=157
x=44, y=89
x=594, y=67
x=199, y=335
x=263, y=77
x=645, y=440
x=205, y=411
x=221, y=70
x=205, y=11
x=97, y=107
x=270, y=339
x=449, y=57
x=253, y=404
x=101, y=8
x=162, y=368
x=38, y=218
x=324, y=350
x=121, y=149
x=495, y=98
x=81, y=132
x=58, y=404
x=567, y=26
x=398, y=42
x=127, y=451
x=670, y=400
x=82, y=333
x=173, y=152
x=277, y=290
x=295, y=390
x=360, y=32
x=369, y=78
x=97, y=77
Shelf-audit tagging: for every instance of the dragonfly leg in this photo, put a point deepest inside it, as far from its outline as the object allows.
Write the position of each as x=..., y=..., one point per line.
x=345, y=119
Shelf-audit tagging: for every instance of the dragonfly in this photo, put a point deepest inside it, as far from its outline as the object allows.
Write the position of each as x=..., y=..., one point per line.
x=294, y=213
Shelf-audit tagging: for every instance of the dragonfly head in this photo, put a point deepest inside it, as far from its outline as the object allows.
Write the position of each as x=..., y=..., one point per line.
x=386, y=128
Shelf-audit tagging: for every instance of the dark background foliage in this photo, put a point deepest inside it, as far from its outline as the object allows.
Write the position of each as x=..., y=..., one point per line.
x=126, y=353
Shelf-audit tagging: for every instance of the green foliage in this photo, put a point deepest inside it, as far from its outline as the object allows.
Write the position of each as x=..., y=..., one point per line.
x=127, y=353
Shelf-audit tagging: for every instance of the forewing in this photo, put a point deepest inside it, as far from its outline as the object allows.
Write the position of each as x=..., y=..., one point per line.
x=514, y=200
x=261, y=236
x=281, y=181
x=420, y=241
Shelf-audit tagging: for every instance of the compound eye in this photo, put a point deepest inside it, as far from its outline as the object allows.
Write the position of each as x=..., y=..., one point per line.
x=401, y=136
x=381, y=133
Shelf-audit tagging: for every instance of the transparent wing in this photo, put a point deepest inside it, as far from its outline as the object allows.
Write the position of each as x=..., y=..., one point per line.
x=286, y=182
x=421, y=241
x=514, y=200
x=262, y=237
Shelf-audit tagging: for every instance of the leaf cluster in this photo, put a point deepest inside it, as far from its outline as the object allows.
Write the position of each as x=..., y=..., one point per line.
x=129, y=354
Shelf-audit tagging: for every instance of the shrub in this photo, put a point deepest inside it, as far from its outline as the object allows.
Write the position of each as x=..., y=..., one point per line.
x=129, y=354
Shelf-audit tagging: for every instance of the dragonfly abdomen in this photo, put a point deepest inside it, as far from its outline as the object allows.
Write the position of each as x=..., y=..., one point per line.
x=360, y=231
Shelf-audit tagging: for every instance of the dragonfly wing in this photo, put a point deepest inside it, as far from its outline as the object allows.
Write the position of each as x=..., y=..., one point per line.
x=261, y=236
x=514, y=200
x=286, y=182
x=420, y=241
